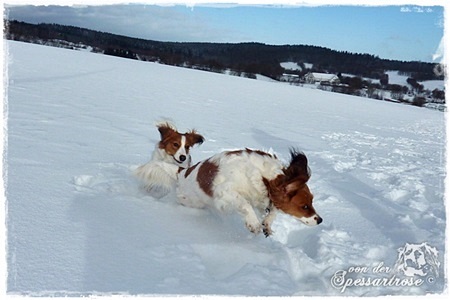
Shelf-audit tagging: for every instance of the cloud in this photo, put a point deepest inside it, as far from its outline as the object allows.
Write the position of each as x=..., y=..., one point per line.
x=164, y=23
x=438, y=56
x=405, y=9
x=415, y=9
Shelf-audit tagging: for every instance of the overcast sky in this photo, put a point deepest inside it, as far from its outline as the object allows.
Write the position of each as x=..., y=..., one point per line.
x=403, y=32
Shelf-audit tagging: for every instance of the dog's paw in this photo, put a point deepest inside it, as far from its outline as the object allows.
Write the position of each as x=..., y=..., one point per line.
x=254, y=227
x=266, y=230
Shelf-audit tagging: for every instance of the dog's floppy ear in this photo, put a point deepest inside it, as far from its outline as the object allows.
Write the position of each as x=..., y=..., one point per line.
x=165, y=129
x=298, y=167
x=274, y=187
x=293, y=186
x=194, y=138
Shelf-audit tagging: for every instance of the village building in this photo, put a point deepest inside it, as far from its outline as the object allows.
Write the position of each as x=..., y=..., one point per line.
x=313, y=77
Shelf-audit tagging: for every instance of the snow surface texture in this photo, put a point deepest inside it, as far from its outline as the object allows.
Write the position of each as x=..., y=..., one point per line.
x=78, y=223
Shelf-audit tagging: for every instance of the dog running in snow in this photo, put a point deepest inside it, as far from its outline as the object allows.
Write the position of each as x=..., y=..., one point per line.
x=250, y=182
x=159, y=175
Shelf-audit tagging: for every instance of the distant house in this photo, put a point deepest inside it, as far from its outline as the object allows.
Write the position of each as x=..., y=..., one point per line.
x=290, y=75
x=313, y=77
x=291, y=78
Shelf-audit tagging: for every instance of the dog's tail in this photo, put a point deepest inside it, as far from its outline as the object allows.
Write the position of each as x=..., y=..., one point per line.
x=158, y=179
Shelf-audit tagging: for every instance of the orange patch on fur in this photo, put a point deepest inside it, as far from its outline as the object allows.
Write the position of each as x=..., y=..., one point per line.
x=190, y=169
x=205, y=177
x=170, y=139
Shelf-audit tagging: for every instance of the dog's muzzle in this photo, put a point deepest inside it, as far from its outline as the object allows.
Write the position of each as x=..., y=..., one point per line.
x=182, y=161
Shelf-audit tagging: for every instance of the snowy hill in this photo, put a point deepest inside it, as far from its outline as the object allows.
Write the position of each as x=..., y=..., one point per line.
x=78, y=224
x=293, y=66
x=290, y=66
x=395, y=78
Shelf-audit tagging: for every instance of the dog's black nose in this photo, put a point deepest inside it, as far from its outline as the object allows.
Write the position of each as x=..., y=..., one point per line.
x=182, y=157
x=319, y=220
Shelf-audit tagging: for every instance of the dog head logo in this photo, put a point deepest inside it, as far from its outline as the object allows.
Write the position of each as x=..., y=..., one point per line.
x=418, y=259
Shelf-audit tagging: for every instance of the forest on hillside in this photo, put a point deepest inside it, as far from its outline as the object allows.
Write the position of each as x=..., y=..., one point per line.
x=248, y=58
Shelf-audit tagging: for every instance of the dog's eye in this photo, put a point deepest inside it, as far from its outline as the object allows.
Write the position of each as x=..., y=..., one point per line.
x=305, y=207
x=176, y=144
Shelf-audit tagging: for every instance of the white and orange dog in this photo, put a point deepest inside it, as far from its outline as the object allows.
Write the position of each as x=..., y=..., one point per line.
x=250, y=182
x=159, y=175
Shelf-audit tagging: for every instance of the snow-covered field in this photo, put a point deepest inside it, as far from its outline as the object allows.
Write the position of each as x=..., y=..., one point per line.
x=78, y=224
x=395, y=78
x=290, y=66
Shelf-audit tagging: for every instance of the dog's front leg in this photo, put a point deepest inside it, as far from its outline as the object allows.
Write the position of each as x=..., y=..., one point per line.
x=268, y=219
x=234, y=201
x=249, y=215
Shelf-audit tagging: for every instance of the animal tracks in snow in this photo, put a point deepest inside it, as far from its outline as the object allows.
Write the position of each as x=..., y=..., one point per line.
x=79, y=223
x=109, y=177
x=366, y=155
x=404, y=178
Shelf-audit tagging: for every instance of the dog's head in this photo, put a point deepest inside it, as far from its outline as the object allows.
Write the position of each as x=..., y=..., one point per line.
x=290, y=193
x=418, y=259
x=176, y=144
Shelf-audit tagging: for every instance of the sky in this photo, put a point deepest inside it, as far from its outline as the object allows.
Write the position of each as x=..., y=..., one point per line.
x=398, y=31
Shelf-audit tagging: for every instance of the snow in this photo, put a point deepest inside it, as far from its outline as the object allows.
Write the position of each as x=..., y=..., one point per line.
x=431, y=85
x=396, y=78
x=290, y=66
x=78, y=223
x=264, y=78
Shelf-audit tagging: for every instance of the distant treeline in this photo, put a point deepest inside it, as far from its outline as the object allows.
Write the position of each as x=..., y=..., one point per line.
x=251, y=58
